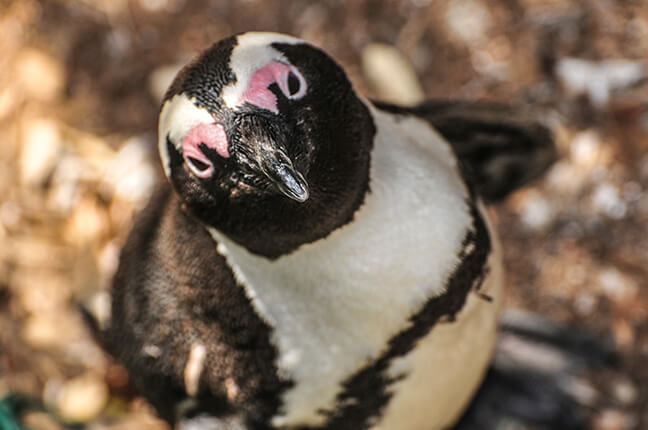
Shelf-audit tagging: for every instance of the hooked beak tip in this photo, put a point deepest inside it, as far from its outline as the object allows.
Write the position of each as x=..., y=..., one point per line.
x=266, y=155
x=292, y=184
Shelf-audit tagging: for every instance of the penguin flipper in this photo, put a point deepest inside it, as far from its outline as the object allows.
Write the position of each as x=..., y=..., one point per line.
x=537, y=376
x=500, y=147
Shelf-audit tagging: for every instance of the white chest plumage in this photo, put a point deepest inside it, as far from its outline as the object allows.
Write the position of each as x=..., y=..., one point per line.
x=335, y=303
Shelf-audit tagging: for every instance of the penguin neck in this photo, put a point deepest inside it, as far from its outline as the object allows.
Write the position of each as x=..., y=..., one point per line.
x=275, y=226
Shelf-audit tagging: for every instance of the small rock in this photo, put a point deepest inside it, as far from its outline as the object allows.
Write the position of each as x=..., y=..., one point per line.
x=613, y=419
x=118, y=42
x=566, y=178
x=536, y=211
x=88, y=224
x=625, y=392
x=469, y=20
x=151, y=350
x=40, y=74
x=617, y=285
x=108, y=259
x=585, y=304
x=154, y=5
x=51, y=330
x=231, y=388
x=581, y=390
x=160, y=79
x=391, y=74
x=131, y=175
x=41, y=146
x=599, y=79
x=82, y=398
x=485, y=64
x=586, y=149
x=63, y=194
x=99, y=304
x=607, y=199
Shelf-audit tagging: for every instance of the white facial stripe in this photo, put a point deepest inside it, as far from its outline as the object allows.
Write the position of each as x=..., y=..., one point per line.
x=352, y=291
x=252, y=52
x=178, y=115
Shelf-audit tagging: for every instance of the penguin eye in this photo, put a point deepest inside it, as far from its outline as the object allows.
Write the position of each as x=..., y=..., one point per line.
x=294, y=85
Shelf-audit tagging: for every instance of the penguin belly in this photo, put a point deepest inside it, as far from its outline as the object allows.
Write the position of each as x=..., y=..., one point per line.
x=439, y=377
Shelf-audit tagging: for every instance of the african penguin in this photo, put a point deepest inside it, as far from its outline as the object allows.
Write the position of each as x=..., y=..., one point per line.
x=320, y=261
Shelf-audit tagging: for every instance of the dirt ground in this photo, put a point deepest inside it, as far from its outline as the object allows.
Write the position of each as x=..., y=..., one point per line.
x=80, y=82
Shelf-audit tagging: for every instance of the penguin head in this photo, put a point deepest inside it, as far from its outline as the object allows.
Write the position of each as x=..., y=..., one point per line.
x=268, y=123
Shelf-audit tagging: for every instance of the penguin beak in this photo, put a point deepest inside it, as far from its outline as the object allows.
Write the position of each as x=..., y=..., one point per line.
x=260, y=148
x=279, y=169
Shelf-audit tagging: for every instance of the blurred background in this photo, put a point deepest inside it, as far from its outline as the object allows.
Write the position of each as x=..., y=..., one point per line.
x=80, y=85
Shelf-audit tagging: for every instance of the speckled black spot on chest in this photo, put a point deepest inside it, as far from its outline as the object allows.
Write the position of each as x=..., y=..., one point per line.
x=365, y=394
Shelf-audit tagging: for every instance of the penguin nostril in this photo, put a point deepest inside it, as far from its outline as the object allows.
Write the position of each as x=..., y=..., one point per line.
x=201, y=168
x=199, y=165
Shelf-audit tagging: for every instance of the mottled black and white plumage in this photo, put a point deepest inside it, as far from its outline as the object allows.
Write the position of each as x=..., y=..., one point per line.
x=321, y=261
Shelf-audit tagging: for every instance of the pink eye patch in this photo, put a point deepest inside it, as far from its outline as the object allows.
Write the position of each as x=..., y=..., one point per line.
x=211, y=135
x=289, y=80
